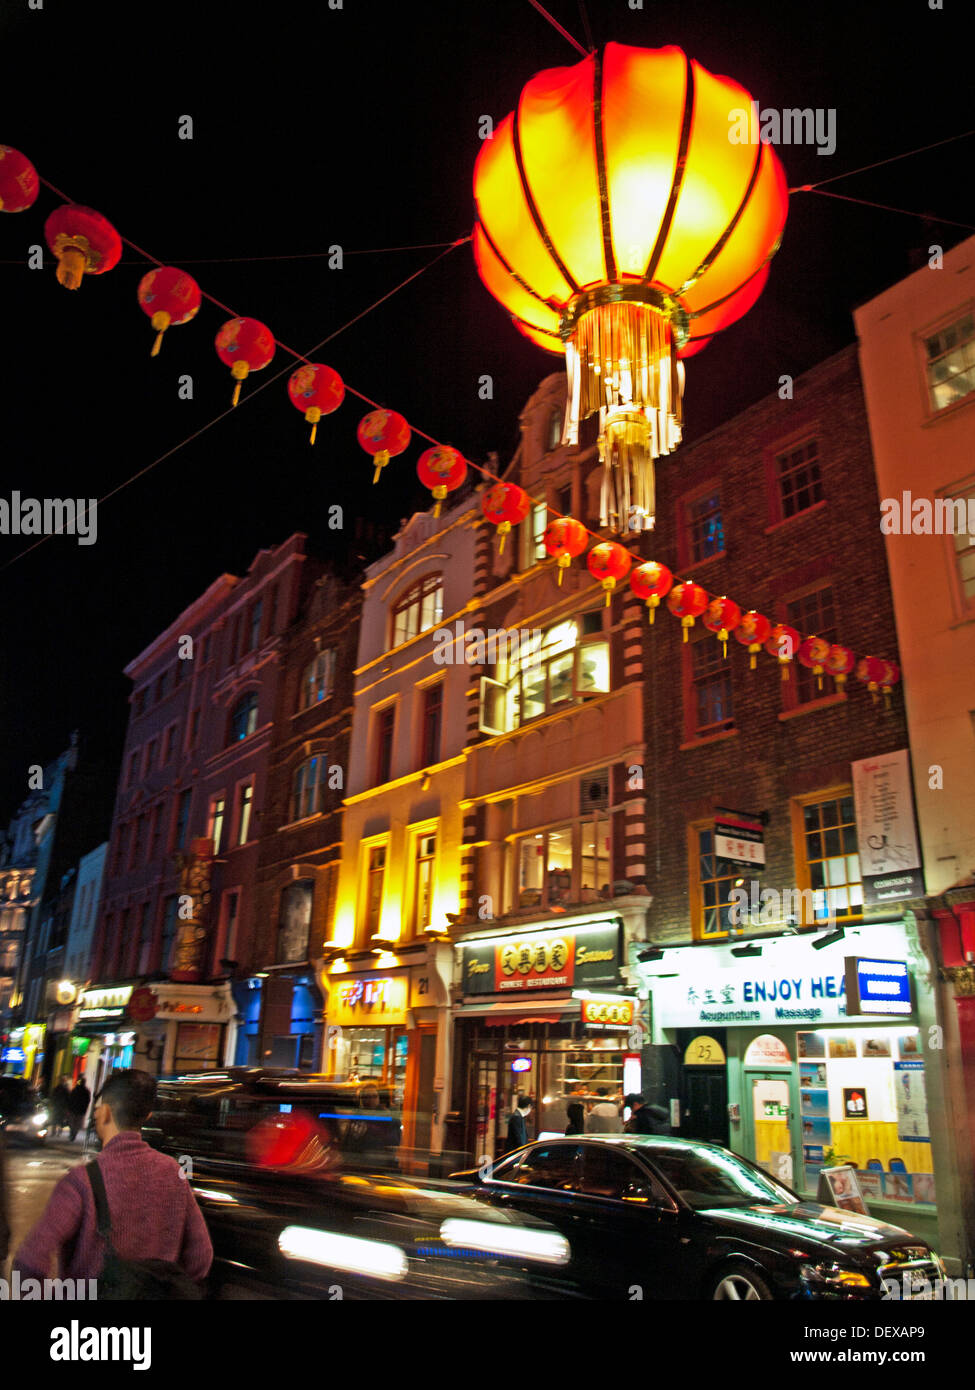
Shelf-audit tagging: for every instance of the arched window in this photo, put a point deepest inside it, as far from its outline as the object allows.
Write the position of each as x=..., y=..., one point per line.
x=243, y=721
x=317, y=679
x=420, y=607
x=553, y=432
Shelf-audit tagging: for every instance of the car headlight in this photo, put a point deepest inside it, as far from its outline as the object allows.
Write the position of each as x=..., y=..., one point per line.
x=834, y=1277
x=40, y=1118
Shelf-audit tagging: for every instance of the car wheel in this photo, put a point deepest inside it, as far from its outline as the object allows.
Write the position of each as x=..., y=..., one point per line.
x=739, y=1283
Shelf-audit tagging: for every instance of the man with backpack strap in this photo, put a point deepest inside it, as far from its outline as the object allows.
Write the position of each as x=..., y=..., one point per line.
x=139, y=1230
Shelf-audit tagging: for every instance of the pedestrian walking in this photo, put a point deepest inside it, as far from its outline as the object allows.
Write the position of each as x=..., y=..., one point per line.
x=59, y=1101
x=577, y=1118
x=517, y=1126
x=128, y=1210
x=604, y=1117
x=78, y=1102
x=646, y=1119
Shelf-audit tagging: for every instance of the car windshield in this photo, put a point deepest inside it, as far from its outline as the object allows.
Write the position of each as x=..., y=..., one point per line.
x=707, y=1178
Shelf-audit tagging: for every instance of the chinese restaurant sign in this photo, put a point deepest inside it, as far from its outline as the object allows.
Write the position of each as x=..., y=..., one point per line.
x=739, y=838
x=548, y=960
x=607, y=1015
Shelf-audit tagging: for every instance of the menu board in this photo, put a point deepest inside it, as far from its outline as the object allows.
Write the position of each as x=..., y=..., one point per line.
x=840, y=1187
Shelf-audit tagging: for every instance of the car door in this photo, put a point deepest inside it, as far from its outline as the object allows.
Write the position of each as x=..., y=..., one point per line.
x=633, y=1227
x=542, y=1184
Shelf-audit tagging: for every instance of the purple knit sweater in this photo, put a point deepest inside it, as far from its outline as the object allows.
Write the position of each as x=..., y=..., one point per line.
x=153, y=1209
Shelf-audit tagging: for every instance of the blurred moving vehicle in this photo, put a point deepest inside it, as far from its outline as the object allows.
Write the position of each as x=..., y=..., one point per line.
x=296, y=1178
x=23, y=1110
x=680, y=1219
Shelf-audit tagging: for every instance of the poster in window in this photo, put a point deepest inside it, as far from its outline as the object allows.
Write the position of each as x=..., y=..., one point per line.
x=814, y=1102
x=912, y=1102
x=855, y=1103
x=197, y=1045
x=811, y=1045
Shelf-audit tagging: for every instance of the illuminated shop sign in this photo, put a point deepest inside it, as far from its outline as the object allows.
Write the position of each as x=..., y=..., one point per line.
x=877, y=987
x=356, y=999
x=104, y=1003
x=608, y=1015
x=546, y=960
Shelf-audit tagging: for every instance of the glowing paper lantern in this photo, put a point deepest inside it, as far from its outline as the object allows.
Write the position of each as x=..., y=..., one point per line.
x=687, y=602
x=383, y=434
x=722, y=616
x=565, y=538
x=813, y=654
x=506, y=504
x=890, y=679
x=753, y=632
x=783, y=642
x=315, y=390
x=170, y=297
x=651, y=582
x=839, y=663
x=608, y=562
x=619, y=220
x=84, y=242
x=876, y=673
x=245, y=346
x=19, y=183
x=442, y=469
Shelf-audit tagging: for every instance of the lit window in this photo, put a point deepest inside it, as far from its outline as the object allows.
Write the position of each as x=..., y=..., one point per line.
x=545, y=868
x=215, y=827
x=800, y=483
x=243, y=721
x=375, y=875
x=426, y=854
x=420, y=608
x=553, y=432
x=950, y=364
x=533, y=532
x=832, y=858
x=318, y=679
x=244, y=812
x=964, y=545
x=715, y=880
x=535, y=678
x=813, y=614
x=704, y=526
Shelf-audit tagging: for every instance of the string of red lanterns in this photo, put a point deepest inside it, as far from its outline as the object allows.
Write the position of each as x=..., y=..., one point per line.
x=84, y=242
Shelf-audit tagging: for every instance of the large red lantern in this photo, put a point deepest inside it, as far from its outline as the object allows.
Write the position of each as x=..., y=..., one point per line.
x=505, y=504
x=245, y=346
x=19, y=183
x=315, y=390
x=651, y=582
x=687, y=602
x=783, y=642
x=839, y=663
x=383, y=434
x=722, y=616
x=442, y=469
x=608, y=562
x=753, y=632
x=624, y=218
x=84, y=242
x=565, y=538
x=813, y=654
x=170, y=297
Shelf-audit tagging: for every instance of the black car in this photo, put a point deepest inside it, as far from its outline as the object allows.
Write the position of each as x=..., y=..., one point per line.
x=327, y=1224
x=663, y=1218
x=23, y=1111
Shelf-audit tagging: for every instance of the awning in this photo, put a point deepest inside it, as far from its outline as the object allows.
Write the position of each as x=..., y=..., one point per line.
x=500, y=1014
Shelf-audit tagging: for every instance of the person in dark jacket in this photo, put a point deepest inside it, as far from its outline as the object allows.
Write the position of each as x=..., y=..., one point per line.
x=78, y=1103
x=59, y=1100
x=646, y=1119
x=577, y=1117
x=517, y=1126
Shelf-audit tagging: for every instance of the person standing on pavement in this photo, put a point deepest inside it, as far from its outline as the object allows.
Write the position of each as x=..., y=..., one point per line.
x=78, y=1102
x=576, y=1117
x=59, y=1101
x=517, y=1123
x=154, y=1214
x=604, y=1117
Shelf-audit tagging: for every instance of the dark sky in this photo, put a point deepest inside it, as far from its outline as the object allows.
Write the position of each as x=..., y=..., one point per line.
x=357, y=127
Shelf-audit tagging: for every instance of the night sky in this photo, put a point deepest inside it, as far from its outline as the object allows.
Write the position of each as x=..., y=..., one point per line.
x=358, y=127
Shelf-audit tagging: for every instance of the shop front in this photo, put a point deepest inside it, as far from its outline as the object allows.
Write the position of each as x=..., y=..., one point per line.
x=812, y=1072
x=164, y=1028
x=544, y=1015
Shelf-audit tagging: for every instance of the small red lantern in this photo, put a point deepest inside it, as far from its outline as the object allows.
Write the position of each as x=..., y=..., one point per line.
x=783, y=642
x=315, y=390
x=813, y=654
x=565, y=538
x=839, y=662
x=383, y=434
x=245, y=346
x=506, y=504
x=651, y=582
x=608, y=562
x=890, y=679
x=170, y=297
x=873, y=672
x=19, y=183
x=687, y=602
x=722, y=617
x=84, y=242
x=442, y=469
x=753, y=632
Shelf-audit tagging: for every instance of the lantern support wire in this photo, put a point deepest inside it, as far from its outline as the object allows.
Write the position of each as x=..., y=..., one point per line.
x=885, y=207
x=558, y=27
x=251, y=395
x=814, y=187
